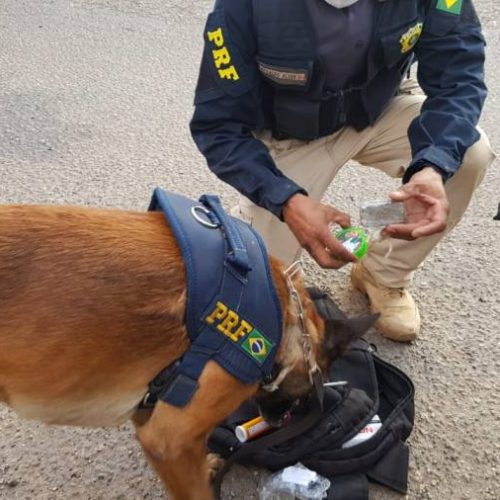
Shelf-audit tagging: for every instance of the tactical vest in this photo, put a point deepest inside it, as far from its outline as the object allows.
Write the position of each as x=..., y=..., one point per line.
x=233, y=314
x=294, y=97
x=342, y=40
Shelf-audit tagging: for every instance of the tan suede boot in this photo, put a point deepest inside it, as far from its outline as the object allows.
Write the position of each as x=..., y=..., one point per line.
x=399, y=317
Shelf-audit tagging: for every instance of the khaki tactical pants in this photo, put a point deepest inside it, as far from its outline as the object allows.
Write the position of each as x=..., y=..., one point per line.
x=314, y=164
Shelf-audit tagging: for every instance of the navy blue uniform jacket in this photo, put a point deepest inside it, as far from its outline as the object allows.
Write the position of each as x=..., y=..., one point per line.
x=231, y=100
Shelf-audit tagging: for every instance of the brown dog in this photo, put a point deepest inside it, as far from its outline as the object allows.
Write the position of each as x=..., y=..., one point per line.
x=91, y=309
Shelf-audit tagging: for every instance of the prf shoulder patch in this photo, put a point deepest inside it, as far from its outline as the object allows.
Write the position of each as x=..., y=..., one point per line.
x=228, y=69
x=450, y=6
x=221, y=55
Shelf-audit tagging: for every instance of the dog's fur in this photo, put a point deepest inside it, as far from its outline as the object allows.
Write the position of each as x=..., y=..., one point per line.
x=91, y=309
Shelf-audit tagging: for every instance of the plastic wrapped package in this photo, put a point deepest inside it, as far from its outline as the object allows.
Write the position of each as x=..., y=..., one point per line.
x=295, y=482
x=379, y=214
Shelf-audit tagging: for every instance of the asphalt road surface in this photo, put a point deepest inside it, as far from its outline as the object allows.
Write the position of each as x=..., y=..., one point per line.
x=95, y=98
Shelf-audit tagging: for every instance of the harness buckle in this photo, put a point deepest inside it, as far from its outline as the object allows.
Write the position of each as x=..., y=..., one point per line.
x=147, y=401
x=202, y=220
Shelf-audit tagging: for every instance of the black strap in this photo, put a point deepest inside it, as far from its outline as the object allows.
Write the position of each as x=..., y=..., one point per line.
x=349, y=487
x=160, y=383
x=294, y=429
x=392, y=469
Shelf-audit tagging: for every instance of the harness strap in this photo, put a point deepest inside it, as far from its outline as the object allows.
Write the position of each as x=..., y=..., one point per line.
x=233, y=315
x=158, y=384
x=175, y=385
x=237, y=254
x=185, y=383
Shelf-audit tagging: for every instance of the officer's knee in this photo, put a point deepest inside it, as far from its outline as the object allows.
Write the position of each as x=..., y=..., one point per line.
x=477, y=159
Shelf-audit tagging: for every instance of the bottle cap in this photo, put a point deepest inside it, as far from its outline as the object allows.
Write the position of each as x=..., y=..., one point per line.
x=354, y=239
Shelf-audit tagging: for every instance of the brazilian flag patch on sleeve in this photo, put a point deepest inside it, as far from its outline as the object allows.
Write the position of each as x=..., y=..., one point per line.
x=450, y=6
x=257, y=346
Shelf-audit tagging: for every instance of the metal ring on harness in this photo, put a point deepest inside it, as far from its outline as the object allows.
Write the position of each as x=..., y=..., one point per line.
x=203, y=221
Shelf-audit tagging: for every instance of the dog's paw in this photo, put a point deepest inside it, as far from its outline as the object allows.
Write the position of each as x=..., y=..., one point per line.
x=214, y=464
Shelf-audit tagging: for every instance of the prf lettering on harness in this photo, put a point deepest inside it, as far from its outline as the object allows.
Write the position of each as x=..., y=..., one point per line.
x=221, y=55
x=228, y=322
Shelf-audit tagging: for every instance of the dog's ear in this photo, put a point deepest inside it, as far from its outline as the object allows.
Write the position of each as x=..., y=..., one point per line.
x=341, y=332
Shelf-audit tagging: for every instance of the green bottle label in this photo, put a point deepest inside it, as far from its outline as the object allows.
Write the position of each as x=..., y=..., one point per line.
x=354, y=239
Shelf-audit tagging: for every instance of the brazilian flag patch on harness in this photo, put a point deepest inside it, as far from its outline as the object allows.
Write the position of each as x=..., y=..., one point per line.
x=257, y=346
x=450, y=6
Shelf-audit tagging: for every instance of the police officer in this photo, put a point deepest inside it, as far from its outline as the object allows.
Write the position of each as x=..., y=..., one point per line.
x=288, y=92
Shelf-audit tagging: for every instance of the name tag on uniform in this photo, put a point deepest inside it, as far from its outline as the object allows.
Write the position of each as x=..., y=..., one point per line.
x=285, y=76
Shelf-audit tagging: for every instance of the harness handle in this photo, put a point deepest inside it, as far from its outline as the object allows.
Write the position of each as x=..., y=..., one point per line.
x=237, y=255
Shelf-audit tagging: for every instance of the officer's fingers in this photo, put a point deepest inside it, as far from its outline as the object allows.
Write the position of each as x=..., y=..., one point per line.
x=402, y=194
x=401, y=231
x=343, y=220
x=335, y=248
x=326, y=261
x=439, y=206
x=340, y=218
x=434, y=227
x=437, y=215
x=323, y=257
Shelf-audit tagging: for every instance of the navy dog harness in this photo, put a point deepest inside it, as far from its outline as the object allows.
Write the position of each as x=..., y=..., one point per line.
x=233, y=314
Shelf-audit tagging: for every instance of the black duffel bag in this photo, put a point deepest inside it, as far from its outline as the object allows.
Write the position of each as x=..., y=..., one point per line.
x=374, y=387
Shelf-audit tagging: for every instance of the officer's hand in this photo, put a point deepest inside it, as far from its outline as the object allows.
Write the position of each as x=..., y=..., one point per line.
x=309, y=221
x=426, y=206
